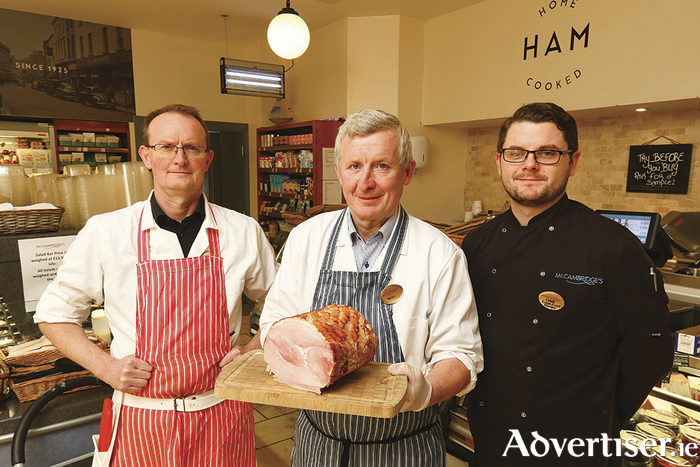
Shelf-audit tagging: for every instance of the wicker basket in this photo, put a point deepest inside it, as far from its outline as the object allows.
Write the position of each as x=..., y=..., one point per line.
x=31, y=390
x=4, y=380
x=38, y=361
x=30, y=221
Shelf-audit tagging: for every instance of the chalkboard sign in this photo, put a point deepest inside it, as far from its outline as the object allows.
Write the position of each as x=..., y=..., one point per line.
x=659, y=168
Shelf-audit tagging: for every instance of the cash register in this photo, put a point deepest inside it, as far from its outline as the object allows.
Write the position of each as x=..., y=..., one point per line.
x=673, y=243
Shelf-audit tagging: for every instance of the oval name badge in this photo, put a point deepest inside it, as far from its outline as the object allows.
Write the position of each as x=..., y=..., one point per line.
x=551, y=300
x=391, y=294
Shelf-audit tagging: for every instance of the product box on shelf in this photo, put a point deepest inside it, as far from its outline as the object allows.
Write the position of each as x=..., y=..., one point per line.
x=89, y=140
x=688, y=340
x=76, y=139
x=112, y=141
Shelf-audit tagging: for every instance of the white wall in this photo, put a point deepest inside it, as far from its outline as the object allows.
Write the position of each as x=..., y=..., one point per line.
x=639, y=51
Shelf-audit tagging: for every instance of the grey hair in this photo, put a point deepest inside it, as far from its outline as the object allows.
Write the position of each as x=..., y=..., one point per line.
x=369, y=121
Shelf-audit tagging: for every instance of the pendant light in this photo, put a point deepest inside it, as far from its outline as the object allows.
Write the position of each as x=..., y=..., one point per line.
x=288, y=34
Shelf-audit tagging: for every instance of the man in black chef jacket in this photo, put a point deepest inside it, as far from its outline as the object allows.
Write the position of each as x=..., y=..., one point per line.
x=573, y=315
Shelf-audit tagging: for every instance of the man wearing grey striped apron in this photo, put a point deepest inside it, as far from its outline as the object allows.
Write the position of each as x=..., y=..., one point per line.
x=350, y=257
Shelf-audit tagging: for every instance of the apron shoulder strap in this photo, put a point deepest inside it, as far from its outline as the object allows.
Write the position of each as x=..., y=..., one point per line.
x=329, y=256
x=396, y=242
x=143, y=242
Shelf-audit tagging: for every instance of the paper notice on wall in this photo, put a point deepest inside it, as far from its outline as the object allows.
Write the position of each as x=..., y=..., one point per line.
x=329, y=164
x=39, y=260
x=332, y=192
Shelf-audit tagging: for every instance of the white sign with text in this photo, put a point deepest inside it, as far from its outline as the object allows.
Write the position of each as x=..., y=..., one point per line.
x=39, y=259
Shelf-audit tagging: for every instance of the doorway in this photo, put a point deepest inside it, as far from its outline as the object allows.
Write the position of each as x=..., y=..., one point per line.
x=226, y=182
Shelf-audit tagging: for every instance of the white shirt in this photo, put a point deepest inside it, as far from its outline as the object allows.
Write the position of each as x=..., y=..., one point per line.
x=435, y=318
x=100, y=266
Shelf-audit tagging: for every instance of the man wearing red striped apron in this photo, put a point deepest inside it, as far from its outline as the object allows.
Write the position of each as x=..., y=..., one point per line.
x=173, y=314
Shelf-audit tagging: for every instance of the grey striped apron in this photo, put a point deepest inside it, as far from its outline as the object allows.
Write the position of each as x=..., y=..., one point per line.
x=325, y=439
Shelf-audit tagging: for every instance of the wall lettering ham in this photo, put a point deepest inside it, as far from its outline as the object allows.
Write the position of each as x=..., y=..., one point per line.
x=312, y=350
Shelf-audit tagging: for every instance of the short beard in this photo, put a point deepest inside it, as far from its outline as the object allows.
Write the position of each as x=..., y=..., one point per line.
x=546, y=197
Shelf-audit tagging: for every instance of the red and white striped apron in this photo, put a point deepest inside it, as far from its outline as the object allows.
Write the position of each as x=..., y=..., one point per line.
x=182, y=331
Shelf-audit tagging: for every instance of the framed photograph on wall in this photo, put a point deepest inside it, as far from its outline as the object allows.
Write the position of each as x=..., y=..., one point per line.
x=64, y=68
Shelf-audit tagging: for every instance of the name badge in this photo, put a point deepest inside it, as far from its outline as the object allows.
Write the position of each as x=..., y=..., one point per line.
x=391, y=294
x=551, y=300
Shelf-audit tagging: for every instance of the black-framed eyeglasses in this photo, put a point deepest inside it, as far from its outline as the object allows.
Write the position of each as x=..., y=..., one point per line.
x=542, y=156
x=171, y=149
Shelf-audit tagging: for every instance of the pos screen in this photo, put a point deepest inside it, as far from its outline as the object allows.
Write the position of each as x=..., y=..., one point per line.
x=643, y=224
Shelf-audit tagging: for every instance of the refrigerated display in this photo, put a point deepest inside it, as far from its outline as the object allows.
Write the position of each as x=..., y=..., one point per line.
x=30, y=145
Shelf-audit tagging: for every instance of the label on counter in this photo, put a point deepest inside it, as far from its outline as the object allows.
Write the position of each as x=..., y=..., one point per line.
x=39, y=260
x=686, y=343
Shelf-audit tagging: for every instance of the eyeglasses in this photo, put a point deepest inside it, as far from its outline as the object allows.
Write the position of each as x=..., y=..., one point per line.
x=195, y=152
x=543, y=156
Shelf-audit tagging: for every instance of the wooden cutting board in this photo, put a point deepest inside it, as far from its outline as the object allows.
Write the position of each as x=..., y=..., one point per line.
x=369, y=391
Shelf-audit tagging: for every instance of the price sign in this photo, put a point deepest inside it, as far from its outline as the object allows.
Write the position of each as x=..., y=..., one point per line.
x=39, y=260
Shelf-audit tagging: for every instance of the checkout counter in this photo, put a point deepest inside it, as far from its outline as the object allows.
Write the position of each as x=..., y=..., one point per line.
x=682, y=272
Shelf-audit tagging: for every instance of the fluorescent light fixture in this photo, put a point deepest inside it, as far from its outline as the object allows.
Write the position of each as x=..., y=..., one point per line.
x=251, y=78
x=640, y=109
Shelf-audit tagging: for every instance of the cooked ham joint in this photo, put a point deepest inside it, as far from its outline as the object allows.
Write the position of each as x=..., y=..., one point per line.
x=312, y=350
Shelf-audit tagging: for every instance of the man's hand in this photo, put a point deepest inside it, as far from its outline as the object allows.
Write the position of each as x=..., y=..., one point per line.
x=238, y=350
x=129, y=374
x=419, y=389
x=235, y=352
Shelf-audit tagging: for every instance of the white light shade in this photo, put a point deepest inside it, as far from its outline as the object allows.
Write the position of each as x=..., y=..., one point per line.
x=288, y=35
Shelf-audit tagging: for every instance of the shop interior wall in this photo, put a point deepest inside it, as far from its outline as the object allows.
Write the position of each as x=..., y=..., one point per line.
x=171, y=69
x=601, y=177
x=639, y=51
x=377, y=62
x=339, y=70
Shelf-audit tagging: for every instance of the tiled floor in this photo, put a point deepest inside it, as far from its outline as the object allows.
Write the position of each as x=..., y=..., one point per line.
x=274, y=431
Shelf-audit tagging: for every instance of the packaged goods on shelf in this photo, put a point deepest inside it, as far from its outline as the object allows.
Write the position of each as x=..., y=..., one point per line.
x=688, y=340
x=65, y=158
x=9, y=157
x=304, y=139
x=266, y=162
x=76, y=139
x=306, y=159
x=89, y=139
x=26, y=159
x=287, y=160
x=112, y=141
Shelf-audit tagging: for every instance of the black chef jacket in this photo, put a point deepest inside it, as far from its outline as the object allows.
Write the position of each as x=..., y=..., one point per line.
x=576, y=372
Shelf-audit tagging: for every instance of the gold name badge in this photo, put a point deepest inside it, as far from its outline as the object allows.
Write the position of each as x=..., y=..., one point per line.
x=391, y=294
x=551, y=300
